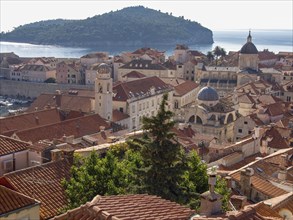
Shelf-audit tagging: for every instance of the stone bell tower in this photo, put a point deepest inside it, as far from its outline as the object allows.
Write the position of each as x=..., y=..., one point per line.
x=103, y=92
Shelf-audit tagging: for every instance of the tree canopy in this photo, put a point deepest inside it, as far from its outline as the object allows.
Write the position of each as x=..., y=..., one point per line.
x=155, y=164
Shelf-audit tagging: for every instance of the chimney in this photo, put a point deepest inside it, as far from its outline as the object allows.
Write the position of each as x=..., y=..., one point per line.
x=256, y=132
x=245, y=181
x=58, y=98
x=210, y=201
x=238, y=201
x=56, y=154
x=284, y=163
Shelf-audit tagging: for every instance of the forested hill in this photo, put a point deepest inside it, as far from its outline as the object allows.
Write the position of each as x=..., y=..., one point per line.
x=129, y=26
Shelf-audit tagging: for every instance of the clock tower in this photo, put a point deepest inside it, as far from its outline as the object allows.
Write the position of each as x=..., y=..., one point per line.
x=103, y=92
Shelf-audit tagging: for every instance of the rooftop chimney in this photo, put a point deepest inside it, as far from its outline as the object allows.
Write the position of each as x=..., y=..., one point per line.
x=56, y=154
x=210, y=201
x=58, y=98
x=245, y=181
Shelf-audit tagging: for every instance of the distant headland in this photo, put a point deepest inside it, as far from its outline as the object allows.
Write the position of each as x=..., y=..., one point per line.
x=133, y=26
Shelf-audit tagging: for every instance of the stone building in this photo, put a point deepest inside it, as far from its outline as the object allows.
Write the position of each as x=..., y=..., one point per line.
x=211, y=115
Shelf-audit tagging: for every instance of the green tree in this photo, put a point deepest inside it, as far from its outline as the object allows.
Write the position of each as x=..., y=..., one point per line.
x=195, y=180
x=94, y=175
x=217, y=53
x=163, y=159
x=210, y=56
x=221, y=188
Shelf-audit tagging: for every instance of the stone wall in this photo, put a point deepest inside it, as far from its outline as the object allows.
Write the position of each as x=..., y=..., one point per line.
x=33, y=90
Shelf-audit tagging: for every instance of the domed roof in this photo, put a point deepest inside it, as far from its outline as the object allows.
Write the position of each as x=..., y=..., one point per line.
x=249, y=48
x=104, y=68
x=207, y=94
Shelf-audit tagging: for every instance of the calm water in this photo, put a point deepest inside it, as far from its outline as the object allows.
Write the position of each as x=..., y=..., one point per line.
x=274, y=40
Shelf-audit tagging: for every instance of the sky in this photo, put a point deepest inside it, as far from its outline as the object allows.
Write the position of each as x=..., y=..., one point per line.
x=213, y=14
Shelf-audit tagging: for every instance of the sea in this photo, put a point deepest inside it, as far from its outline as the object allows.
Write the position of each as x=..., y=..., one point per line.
x=230, y=40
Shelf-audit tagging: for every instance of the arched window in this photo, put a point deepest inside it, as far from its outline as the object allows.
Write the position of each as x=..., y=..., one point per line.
x=192, y=119
x=198, y=120
x=230, y=118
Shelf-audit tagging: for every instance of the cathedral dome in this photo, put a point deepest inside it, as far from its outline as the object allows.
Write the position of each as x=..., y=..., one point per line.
x=249, y=48
x=104, y=68
x=207, y=94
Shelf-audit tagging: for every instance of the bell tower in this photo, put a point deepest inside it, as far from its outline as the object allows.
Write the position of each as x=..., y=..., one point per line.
x=103, y=92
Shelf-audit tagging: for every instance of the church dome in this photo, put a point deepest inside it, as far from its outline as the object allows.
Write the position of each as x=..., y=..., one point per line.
x=249, y=48
x=207, y=94
x=104, y=68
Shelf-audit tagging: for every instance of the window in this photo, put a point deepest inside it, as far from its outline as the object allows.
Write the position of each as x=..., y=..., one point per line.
x=133, y=109
x=288, y=99
x=245, y=122
x=176, y=104
x=239, y=130
x=121, y=110
x=153, y=102
x=139, y=107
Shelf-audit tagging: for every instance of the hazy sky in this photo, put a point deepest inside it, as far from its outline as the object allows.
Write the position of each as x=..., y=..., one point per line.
x=216, y=15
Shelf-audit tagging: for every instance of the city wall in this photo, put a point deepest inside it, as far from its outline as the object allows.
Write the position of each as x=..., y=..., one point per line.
x=33, y=90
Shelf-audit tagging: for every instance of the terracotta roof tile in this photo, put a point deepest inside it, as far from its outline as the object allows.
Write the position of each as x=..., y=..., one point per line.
x=42, y=183
x=130, y=207
x=118, y=116
x=137, y=88
x=29, y=120
x=281, y=202
x=185, y=87
x=67, y=102
x=278, y=141
x=10, y=145
x=134, y=74
x=11, y=200
x=261, y=185
x=78, y=127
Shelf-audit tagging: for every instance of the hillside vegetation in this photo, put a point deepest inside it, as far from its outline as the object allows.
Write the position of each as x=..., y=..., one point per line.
x=129, y=26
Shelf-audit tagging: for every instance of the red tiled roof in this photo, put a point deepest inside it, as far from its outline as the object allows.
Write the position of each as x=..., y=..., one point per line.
x=130, y=207
x=11, y=200
x=10, y=145
x=185, y=87
x=68, y=102
x=266, y=55
x=261, y=185
x=118, y=116
x=250, y=212
x=29, y=120
x=139, y=87
x=78, y=127
x=278, y=141
x=274, y=109
x=134, y=74
x=281, y=202
x=42, y=183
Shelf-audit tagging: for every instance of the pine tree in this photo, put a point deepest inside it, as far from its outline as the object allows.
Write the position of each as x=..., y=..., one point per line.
x=163, y=160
